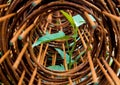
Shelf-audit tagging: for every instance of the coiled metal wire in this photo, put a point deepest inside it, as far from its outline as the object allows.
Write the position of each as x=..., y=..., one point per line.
x=22, y=22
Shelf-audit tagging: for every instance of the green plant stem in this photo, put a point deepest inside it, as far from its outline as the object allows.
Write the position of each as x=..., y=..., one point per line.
x=69, y=52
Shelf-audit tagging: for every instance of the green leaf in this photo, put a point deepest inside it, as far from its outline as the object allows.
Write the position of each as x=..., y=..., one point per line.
x=69, y=18
x=57, y=67
x=111, y=61
x=64, y=38
x=79, y=20
x=72, y=22
x=49, y=37
x=62, y=55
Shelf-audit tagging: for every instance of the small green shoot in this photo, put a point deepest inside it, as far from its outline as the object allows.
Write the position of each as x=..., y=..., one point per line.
x=61, y=35
x=75, y=34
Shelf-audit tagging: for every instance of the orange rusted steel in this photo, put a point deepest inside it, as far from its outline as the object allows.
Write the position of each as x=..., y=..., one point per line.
x=94, y=53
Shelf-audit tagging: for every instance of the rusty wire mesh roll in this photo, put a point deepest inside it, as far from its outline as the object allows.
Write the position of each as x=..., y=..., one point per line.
x=22, y=22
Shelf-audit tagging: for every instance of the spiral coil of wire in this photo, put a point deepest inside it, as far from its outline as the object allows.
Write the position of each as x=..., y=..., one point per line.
x=22, y=22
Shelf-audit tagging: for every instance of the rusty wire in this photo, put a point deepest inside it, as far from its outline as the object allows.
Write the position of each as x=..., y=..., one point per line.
x=23, y=22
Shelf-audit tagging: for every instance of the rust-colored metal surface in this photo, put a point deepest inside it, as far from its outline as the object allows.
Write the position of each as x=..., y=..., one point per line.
x=23, y=22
